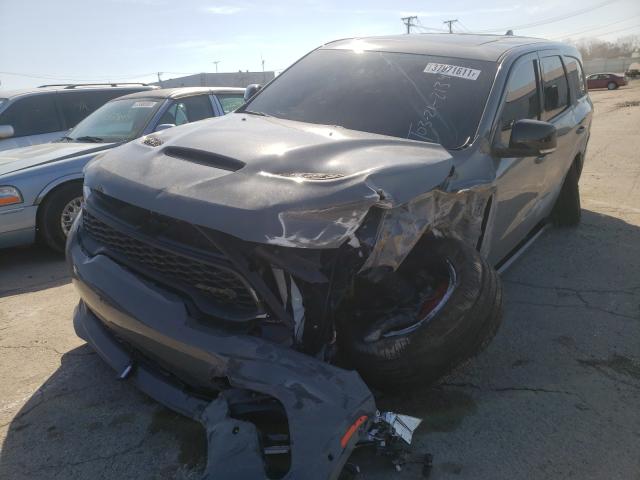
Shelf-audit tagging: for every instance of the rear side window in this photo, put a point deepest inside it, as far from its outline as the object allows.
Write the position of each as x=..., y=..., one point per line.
x=522, y=99
x=554, y=86
x=32, y=115
x=76, y=105
x=187, y=110
x=197, y=107
x=575, y=76
x=230, y=102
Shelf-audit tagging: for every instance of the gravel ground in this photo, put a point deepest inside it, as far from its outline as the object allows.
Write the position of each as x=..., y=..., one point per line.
x=555, y=395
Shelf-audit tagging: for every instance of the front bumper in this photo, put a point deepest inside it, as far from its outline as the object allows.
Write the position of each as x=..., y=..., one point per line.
x=122, y=316
x=17, y=225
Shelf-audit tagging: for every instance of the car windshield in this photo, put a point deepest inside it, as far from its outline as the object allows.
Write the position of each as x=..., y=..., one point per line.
x=116, y=121
x=419, y=97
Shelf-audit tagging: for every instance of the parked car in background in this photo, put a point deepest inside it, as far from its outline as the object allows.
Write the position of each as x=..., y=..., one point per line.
x=43, y=114
x=633, y=71
x=41, y=185
x=609, y=81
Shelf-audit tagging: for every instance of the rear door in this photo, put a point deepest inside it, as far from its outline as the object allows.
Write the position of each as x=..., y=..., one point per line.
x=558, y=109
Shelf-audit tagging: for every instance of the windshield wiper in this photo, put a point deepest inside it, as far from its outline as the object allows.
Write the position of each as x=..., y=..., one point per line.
x=260, y=114
x=65, y=139
x=89, y=139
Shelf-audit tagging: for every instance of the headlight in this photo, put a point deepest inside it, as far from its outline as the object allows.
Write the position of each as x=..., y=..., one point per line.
x=9, y=196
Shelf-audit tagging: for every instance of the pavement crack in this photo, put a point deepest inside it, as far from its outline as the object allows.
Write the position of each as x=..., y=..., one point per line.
x=585, y=305
x=507, y=389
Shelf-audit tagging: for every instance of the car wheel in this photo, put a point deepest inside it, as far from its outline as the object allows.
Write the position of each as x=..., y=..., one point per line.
x=567, y=210
x=612, y=86
x=57, y=213
x=417, y=344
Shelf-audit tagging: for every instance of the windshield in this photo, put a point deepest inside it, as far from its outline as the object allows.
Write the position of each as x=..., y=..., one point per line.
x=420, y=97
x=116, y=121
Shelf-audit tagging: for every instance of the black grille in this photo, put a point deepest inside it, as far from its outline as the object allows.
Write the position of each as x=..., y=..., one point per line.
x=221, y=285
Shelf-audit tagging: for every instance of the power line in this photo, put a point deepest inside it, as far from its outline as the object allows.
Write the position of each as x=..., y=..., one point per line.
x=565, y=35
x=550, y=20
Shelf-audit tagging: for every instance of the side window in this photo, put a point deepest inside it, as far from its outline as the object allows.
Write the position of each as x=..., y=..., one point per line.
x=187, y=110
x=575, y=76
x=32, y=115
x=198, y=107
x=522, y=99
x=230, y=102
x=554, y=86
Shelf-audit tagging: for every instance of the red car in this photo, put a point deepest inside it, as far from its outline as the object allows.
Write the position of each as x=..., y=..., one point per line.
x=610, y=81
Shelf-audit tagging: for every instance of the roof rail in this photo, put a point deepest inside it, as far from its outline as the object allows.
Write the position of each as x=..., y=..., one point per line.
x=74, y=85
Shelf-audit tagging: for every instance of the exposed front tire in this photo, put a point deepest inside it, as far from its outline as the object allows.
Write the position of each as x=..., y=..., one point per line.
x=405, y=347
x=612, y=86
x=567, y=210
x=57, y=213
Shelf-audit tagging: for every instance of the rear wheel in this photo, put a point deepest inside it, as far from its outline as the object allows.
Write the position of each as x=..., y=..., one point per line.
x=423, y=336
x=57, y=213
x=612, y=86
x=567, y=210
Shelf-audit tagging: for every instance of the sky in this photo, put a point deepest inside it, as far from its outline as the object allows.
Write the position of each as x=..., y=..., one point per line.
x=62, y=41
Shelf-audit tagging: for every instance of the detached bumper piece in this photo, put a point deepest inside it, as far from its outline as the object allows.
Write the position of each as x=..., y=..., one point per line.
x=146, y=334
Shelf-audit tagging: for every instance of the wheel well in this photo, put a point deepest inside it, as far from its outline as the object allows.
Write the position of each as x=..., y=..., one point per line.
x=48, y=195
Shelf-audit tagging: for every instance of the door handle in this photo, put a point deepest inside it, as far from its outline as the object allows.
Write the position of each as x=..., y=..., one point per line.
x=581, y=129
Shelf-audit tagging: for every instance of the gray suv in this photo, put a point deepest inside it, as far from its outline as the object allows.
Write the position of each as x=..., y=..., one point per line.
x=40, y=115
x=348, y=218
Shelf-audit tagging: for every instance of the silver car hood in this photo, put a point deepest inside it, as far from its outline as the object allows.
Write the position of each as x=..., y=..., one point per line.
x=266, y=195
x=21, y=158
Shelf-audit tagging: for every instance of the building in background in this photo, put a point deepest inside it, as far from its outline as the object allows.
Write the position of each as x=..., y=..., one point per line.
x=230, y=79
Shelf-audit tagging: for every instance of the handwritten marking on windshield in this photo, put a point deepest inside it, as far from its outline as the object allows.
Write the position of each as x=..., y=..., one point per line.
x=452, y=71
x=425, y=130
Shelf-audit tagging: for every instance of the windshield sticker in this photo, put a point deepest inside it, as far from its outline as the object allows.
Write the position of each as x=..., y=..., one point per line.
x=143, y=104
x=452, y=71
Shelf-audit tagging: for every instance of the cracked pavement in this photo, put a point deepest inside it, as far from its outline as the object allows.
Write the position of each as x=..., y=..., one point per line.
x=555, y=395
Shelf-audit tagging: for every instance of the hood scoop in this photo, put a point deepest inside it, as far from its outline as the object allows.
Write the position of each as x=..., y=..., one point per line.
x=204, y=158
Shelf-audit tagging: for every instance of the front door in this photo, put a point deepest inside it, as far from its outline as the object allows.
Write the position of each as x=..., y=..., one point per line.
x=519, y=180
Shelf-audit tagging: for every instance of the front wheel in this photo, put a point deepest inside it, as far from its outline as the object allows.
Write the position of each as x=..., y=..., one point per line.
x=612, y=86
x=455, y=312
x=57, y=213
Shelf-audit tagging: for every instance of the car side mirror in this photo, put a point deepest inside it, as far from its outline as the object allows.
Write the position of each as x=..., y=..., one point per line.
x=251, y=90
x=6, y=131
x=530, y=138
x=164, y=126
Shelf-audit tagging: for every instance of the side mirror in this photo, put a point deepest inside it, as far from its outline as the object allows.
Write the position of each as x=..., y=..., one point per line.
x=164, y=126
x=6, y=131
x=251, y=90
x=530, y=138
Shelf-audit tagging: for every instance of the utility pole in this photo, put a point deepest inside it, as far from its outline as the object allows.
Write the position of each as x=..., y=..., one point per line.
x=407, y=22
x=216, y=62
x=262, y=61
x=450, y=22
x=159, y=79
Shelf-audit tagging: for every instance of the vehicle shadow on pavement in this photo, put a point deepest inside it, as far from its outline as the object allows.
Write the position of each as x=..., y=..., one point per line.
x=563, y=369
x=31, y=269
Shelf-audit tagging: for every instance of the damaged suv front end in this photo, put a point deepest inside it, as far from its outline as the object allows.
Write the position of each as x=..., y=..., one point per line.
x=213, y=263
